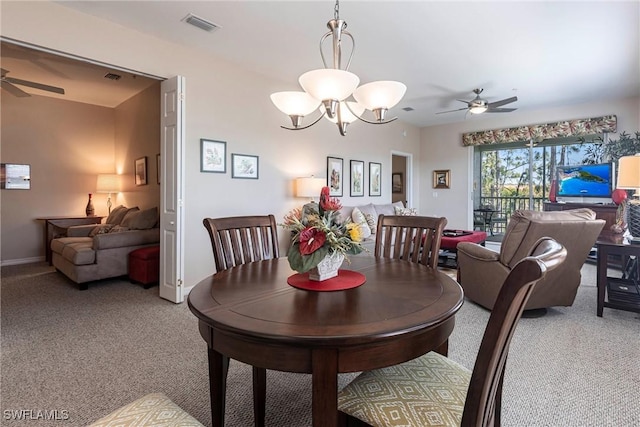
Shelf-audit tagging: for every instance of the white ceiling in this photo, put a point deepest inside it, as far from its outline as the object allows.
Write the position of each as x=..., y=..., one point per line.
x=545, y=53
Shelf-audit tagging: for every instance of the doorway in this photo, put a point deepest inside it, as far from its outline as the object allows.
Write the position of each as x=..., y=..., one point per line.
x=401, y=178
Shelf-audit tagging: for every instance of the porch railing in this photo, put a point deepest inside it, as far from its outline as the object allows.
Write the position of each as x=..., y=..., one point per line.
x=505, y=206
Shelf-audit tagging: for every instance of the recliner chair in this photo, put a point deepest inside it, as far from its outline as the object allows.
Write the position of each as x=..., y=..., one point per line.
x=480, y=269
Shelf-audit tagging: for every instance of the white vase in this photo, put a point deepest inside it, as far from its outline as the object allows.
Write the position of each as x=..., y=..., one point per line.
x=327, y=268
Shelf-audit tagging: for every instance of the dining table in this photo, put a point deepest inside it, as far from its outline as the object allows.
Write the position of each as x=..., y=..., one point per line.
x=251, y=313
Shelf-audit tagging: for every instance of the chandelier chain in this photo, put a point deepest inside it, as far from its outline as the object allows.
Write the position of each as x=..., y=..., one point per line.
x=336, y=10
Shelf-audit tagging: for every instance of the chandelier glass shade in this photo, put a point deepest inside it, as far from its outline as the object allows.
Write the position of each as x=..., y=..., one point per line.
x=331, y=87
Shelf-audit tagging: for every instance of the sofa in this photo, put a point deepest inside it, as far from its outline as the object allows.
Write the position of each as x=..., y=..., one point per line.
x=94, y=252
x=367, y=217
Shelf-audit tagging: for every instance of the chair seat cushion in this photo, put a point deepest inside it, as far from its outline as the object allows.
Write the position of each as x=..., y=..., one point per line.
x=154, y=409
x=427, y=391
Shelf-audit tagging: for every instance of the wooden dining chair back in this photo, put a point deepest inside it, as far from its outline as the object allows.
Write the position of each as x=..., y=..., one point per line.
x=242, y=239
x=474, y=398
x=412, y=238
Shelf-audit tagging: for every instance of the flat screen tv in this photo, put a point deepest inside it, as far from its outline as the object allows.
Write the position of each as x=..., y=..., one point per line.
x=585, y=183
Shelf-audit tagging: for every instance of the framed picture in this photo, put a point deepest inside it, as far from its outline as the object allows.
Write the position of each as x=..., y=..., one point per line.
x=397, y=184
x=213, y=156
x=244, y=166
x=357, y=178
x=158, y=168
x=334, y=176
x=441, y=178
x=375, y=173
x=15, y=176
x=141, y=171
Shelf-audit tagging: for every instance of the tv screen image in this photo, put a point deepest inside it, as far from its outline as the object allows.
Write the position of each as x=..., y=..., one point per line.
x=585, y=180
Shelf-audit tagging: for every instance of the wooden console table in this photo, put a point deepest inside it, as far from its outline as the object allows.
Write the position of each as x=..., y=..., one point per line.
x=606, y=212
x=56, y=226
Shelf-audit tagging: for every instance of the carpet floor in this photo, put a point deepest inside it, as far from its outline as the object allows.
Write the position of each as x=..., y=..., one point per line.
x=84, y=354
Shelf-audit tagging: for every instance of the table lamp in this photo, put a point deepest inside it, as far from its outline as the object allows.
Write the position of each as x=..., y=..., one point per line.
x=108, y=183
x=629, y=179
x=309, y=187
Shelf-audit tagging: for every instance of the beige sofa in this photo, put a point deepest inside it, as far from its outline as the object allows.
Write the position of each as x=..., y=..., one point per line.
x=91, y=252
x=367, y=216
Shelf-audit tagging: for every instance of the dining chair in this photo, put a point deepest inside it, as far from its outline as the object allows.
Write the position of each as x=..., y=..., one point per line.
x=433, y=389
x=412, y=238
x=239, y=240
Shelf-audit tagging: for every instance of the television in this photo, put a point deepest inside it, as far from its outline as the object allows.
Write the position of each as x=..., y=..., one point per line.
x=585, y=183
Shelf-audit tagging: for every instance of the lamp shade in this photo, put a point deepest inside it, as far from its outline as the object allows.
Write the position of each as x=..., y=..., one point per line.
x=294, y=103
x=309, y=186
x=382, y=94
x=345, y=114
x=629, y=172
x=108, y=183
x=329, y=83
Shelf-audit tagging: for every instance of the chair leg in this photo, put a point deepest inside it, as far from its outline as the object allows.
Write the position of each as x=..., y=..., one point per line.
x=259, y=395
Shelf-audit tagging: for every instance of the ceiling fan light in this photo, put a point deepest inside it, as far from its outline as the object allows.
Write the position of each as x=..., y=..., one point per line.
x=294, y=103
x=478, y=109
x=328, y=83
x=380, y=95
x=346, y=113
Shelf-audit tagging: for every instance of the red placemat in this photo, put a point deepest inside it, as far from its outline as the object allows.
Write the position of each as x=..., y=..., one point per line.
x=346, y=279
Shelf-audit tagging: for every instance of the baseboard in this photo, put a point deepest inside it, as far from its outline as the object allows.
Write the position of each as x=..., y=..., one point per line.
x=31, y=260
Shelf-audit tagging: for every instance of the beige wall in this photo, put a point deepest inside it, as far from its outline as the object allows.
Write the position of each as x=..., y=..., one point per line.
x=442, y=149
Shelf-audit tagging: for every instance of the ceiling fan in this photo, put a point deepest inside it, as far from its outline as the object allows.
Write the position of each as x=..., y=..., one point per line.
x=479, y=105
x=9, y=84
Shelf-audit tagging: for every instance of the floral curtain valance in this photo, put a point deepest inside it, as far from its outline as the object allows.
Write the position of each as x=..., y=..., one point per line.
x=561, y=129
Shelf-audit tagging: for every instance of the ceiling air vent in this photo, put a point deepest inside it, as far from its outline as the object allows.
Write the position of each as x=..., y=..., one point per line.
x=203, y=24
x=112, y=76
x=407, y=109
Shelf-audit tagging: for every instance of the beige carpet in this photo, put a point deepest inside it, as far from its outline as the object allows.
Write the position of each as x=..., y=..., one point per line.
x=91, y=352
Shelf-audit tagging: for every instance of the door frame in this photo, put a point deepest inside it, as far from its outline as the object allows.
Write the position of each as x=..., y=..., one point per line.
x=408, y=172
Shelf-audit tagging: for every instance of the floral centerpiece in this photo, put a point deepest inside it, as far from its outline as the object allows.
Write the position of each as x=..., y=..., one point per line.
x=319, y=237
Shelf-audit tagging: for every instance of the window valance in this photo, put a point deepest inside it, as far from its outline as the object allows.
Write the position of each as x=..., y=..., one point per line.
x=561, y=129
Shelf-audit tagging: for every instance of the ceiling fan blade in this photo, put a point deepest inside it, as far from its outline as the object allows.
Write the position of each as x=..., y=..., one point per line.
x=462, y=100
x=35, y=85
x=503, y=102
x=451, y=111
x=14, y=90
x=500, y=110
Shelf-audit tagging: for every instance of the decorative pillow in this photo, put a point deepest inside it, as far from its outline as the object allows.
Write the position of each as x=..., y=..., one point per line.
x=405, y=211
x=101, y=229
x=118, y=229
x=116, y=215
x=358, y=217
x=370, y=215
x=145, y=219
x=128, y=218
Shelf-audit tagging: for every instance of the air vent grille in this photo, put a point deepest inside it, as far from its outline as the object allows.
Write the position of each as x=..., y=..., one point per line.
x=112, y=76
x=407, y=109
x=201, y=23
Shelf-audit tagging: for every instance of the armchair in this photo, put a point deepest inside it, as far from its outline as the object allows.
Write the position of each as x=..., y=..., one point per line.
x=480, y=268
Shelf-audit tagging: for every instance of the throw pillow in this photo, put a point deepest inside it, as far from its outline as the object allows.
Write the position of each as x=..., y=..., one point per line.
x=118, y=229
x=358, y=217
x=371, y=216
x=116, y=215
x=405, y=211
x=145, y=219
x=129, y=217
x=101, y=229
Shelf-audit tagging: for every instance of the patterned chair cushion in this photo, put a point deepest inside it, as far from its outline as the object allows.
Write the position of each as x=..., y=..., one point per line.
x=427, y=391
x=154, y=409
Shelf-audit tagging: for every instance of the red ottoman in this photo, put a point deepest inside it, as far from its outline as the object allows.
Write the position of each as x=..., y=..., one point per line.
x=144, y=266
x=448, y=245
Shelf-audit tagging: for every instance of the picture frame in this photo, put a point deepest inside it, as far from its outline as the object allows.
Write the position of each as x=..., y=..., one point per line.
x=140, y=170
x=213, y=156
x=14, y=176
x=441, y=178
x=244, y=166
x=335, y=169
x=158, y=168
x=375, y=179
x=356, y=188
x=397, y=183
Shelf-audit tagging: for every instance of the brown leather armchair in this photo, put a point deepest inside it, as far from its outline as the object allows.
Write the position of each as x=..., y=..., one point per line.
x=482, y=270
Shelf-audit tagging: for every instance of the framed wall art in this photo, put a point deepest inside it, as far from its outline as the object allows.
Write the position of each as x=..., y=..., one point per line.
x=334, y=176
x=357, y=178
x=213, y=156
x=244, y=166
x=375, y=174
x=15, y=176
x=441, y=178
x=397, y=183
x=140, y=167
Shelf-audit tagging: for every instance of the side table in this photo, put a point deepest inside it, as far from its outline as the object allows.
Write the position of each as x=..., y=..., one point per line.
x=622, y=293
x=56, y=226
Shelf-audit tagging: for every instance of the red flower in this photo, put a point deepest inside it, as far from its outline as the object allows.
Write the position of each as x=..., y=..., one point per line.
x=311, y=240
x=328, y=203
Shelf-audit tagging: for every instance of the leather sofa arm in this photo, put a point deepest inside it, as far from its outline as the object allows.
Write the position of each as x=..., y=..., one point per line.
x=126, y=238
x=478, y=252
x=81, y=230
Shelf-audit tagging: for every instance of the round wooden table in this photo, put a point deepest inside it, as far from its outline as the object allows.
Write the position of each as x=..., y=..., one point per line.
x=250, y=313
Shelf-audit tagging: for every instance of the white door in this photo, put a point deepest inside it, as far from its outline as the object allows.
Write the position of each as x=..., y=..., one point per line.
x=172, y=189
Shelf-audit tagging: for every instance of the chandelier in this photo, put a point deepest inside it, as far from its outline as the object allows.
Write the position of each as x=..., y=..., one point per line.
x=327, y=89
